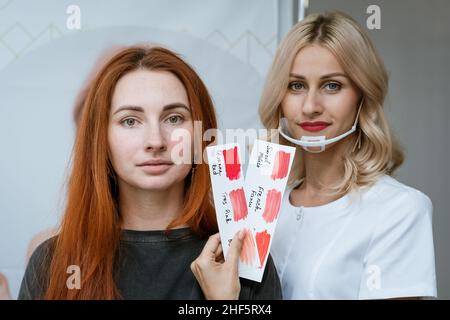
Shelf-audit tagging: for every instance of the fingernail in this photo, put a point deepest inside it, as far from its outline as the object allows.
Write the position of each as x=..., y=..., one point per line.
x=242, y=234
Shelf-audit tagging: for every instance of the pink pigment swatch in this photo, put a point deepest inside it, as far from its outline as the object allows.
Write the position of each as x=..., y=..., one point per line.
x=239, y=204
x=262, y=243
x=273, y=201
x=232, y=165
x=281, y=166
x=247, y=255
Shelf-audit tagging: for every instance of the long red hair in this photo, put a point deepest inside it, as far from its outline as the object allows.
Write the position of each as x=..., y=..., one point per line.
x=90, y=230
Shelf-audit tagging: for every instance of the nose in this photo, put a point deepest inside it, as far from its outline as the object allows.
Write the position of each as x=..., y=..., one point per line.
x=311, y=105
x=154, y=138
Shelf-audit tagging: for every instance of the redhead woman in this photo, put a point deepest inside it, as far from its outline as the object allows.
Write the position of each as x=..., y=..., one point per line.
x=138, y=223
x=347, y=228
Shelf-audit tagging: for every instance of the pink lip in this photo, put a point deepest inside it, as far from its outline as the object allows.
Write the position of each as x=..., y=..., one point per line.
x=314, y=126
x=155, y=166
x=154, y=162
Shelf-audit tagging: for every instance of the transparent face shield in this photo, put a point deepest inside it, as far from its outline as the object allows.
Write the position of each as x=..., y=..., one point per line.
x=307, y=142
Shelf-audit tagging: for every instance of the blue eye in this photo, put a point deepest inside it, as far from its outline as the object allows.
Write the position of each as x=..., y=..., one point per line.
x=295, y=86
x=129, y=122
x=333, y=86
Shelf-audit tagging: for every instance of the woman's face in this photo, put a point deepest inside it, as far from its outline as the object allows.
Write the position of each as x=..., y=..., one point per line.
x=147, y=107
x=321, y=100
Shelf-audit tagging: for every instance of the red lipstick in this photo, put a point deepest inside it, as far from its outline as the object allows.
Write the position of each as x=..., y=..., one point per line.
x=314, y=126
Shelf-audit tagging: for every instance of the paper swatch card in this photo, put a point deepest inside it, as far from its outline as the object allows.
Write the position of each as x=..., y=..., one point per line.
x=265, y=182
x=227, y=178
x=252, y=204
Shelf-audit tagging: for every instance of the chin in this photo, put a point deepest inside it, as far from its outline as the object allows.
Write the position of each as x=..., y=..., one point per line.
x=157, y=183
x=154, y=184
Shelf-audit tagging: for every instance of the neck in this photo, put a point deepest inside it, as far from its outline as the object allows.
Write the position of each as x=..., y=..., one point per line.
x=150, y=210
x=324, y=169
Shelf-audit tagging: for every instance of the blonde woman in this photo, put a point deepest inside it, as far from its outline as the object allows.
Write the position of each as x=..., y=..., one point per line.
x=347, y=229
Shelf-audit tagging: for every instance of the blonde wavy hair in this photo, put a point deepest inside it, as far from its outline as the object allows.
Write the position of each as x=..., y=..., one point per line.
x=377, y=151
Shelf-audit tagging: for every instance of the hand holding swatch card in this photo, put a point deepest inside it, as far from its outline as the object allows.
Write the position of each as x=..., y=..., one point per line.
x=252, y=204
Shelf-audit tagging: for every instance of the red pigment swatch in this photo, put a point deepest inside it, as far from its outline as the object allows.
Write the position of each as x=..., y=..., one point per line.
x=232, y=165
x=262, y=242
x=273, y=201
x=239, y=204
x=281, y=166
x=248, y=248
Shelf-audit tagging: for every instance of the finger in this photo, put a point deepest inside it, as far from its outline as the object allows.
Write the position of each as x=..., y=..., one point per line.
x=211, y=246
x=235, y=248
x=219, y=255
x=219, y=250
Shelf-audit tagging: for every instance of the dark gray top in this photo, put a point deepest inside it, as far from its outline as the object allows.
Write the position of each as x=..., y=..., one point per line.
x=152, y=265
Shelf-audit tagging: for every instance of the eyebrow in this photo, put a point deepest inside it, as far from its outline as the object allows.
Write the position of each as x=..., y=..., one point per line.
x=326, y=76
x=170, y=106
